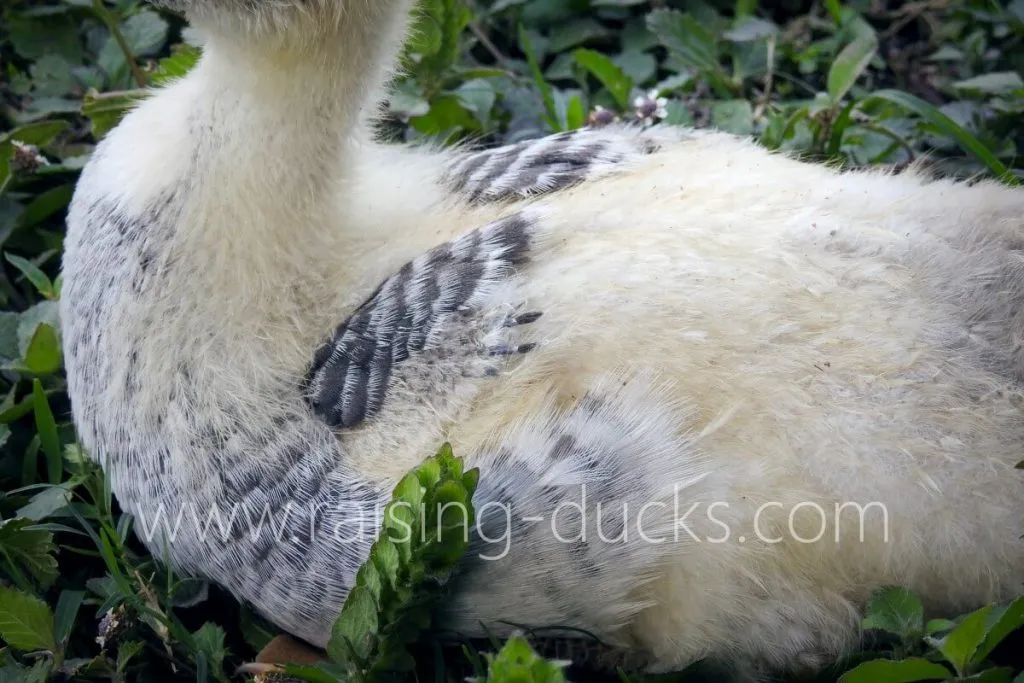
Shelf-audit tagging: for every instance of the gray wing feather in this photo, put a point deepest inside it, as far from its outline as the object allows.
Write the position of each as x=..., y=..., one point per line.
x=543, y=165
x=350, y=373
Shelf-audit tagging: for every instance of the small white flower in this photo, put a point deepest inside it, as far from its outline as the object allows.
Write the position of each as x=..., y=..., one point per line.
x=650, y=107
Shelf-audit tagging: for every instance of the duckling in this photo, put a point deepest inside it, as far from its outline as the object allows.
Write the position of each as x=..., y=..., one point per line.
x=717, y=395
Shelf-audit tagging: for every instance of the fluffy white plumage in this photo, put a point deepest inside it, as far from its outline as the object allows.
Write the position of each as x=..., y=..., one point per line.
x=717, y=320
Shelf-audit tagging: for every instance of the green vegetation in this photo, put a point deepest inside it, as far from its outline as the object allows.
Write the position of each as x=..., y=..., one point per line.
x=854, y=83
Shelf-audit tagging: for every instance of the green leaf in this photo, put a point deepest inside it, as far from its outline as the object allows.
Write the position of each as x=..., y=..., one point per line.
x=992, y=84
x=733, y=116
x=849, y=64
x=46, y=427
x=517, y=662
x=5, y=433
x=835, y=10
x=175, y=66
x=611, y=77
x=446, y=117
x=946, y=125
x=1000, y=675
x=477, y=96
x=354, y=633
x=43, y=205
x=40, y=672
x=936, y=626
x=145, y=32
x=46, y=502
x=902, y=671
x=750, y=29
x=42, y=357
x=1004, y=620
x=538, y=78
x=959, y=645
x=38, y=134
x=686, y=37
x=894, y=610
x=31, y=549
x=65, y=614
x=26, y=622
x=52, y=77
x=33, y=274
x=575, y=114
x=209, y=641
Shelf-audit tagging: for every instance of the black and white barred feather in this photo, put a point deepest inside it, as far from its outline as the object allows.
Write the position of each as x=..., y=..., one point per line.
x=544, y=165
x=432, y=305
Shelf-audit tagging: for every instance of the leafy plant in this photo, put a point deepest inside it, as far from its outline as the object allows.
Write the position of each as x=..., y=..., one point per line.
x=852, y=83
x=939, y=650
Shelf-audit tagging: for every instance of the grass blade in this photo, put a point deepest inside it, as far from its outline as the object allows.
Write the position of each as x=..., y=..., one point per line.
x=967, y=142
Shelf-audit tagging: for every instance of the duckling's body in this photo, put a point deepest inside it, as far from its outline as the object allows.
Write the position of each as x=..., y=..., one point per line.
x=721, y=330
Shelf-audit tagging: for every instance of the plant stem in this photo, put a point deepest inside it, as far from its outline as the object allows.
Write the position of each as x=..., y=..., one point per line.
x=115, y=30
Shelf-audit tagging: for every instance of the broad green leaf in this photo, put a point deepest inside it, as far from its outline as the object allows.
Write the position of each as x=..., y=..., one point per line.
x=15, y=673
x=902, y=671
x=209, y=640
x=446, y=117
x=42, y=350
x=999, y=675
x=31, y=549
x=145, y=32
x=478, y=97
x=576, y=32
x=959, y=645
x=355, y=631
x=5, y=433
x=516, y=661
x=46, y=502
x=386, y=559
x=686, y=37
x=1004, y=620
x=992, y=84
x=946, y=125
x=849, y=64
x=894, y=610
x=610, y=76
x=52, y=77
x=43, y=313
x=733, y=116
x=26, y=622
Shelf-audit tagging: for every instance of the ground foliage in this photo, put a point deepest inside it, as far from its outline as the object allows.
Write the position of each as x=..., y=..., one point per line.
x=855, y=83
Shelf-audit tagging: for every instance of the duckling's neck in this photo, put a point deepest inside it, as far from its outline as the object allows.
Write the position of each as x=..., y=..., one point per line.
x=272, y=117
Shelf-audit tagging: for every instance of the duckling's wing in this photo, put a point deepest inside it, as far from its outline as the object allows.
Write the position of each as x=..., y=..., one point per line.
x=547, y=164
x=441, y=314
